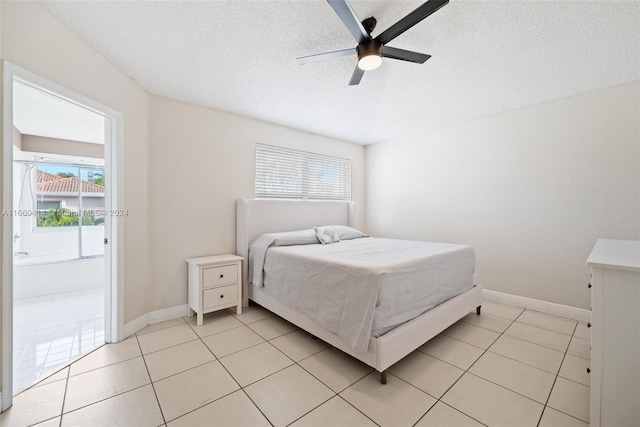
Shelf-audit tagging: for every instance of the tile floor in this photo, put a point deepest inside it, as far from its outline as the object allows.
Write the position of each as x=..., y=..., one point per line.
x=509, y=367
x=52, y=330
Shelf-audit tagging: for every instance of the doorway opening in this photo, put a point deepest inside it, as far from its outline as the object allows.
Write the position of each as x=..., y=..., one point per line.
x=62, y=296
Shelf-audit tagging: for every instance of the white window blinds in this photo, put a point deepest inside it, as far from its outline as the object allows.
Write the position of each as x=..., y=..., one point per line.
x=293, y=174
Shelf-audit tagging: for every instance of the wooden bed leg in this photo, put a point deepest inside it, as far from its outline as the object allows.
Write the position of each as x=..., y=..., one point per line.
x=478, y=310
x=383, y=377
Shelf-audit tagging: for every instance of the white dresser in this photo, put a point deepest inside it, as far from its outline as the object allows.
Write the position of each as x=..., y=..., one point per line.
x=215, y=283
x=615, y=333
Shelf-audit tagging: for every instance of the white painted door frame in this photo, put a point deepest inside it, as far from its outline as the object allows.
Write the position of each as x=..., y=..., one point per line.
x=114, y=306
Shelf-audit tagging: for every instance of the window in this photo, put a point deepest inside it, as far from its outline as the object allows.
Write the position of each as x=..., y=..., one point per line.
x=49, y=204
x=65, y=193
x=292, y=174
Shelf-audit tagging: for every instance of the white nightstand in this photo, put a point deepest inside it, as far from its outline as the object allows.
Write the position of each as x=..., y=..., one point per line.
x=215, y=283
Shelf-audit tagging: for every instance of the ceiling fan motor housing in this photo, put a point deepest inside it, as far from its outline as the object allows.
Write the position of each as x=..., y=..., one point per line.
x=369, y=47
x=369, y=24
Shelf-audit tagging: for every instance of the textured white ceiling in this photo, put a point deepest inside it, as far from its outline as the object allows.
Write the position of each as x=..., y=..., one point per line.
x=240, y=56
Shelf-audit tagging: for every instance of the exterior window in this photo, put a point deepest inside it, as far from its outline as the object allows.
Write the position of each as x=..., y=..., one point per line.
x=65, y=197
x=45, y=206
x=283, y=173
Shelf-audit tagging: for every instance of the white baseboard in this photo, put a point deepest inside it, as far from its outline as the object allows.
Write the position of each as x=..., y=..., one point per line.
x=569, y=312
x=135, y=325
x=168, y=314
x=155, y=317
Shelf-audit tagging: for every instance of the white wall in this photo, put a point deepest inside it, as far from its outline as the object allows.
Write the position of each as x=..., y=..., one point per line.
x=56, y=277
x=43, y=144
x=56, y=243
x=201, y=162
x=33, y=39
x=530, y=189
x=17, y=138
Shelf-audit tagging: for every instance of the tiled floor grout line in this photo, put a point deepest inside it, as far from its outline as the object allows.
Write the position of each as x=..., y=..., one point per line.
x=350, y=404
x=467, y=370
x=168, y=347
x=254, y=404
x=523, y=323
x=64, y=396
x=419, y=389
x=438, y=399
x=455, y=409
x=312, y=409
x=336, y=393
x=520, y=339
x=181, y=372
x=67, y=365
x=541, y=345
x=572, y=335
x=280, y=370
x=294, y=362
x=121, y=361
x=151, y=381
x=271, y=374
x=229, y=373
x=520, y=361
x=556, y=375
x=556, y=379
x=547, y=329
x=100, y=367
x=103, y=399
x=546, y=403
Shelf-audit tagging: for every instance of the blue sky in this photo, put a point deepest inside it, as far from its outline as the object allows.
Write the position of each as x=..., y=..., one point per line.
x=54, y=170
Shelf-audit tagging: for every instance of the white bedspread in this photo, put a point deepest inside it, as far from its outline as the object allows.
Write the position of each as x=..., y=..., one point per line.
x=363, y=287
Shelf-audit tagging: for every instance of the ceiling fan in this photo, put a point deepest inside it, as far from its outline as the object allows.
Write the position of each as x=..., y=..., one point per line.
x=371, y=50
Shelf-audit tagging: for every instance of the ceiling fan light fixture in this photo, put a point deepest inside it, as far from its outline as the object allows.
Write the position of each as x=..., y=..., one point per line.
x=369, y=55
x=370, y=49
x=369, y=62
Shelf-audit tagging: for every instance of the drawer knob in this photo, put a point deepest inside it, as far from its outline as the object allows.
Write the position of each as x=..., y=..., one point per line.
x=588, y=370
x=589, y=325
x=221, y=296
x=221, y=276
x=589, y=286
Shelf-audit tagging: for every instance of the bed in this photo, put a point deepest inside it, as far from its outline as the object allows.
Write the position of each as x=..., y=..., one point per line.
x=379, y=350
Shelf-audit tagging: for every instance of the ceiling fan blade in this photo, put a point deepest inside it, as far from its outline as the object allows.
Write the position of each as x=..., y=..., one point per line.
x=349, y=18
x=327, y=55
x=404, y=55
x=356, y=77
x=410, y=20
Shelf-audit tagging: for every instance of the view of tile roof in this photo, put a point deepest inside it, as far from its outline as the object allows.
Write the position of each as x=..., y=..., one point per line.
x=45, y=177
x=48, y=183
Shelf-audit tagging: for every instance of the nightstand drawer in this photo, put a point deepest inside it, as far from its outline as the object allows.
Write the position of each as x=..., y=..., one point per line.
x=219, y=276
x=219, y=296
x=215, y=283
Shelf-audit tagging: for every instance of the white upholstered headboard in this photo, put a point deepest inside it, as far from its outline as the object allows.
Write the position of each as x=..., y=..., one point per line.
x=259, y=216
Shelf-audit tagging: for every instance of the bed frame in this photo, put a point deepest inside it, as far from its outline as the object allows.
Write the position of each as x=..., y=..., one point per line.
x=256, y=217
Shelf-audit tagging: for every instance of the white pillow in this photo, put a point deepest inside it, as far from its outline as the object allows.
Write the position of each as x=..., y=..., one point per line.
x=298, y=237
x=326, y=235
x=347, y=233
